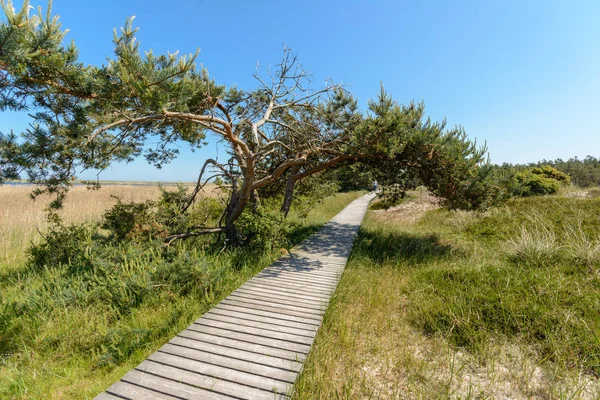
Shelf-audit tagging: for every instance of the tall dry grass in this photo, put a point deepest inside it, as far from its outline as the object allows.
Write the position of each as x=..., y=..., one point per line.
x=23, y=220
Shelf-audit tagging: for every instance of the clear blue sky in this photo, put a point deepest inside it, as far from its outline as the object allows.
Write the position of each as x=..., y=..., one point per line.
x=523, y=76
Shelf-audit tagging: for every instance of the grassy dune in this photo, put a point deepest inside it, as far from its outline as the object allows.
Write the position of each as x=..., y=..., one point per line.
x=438, y=304
x=69, y=331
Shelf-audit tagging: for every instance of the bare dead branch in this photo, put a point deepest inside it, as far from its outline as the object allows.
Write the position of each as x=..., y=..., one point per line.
x=208, y=231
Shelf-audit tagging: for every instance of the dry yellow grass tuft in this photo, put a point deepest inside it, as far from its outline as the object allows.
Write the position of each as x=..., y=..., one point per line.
x=22, y=219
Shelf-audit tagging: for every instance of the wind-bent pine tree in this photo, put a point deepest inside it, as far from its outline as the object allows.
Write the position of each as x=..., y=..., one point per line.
x=88, y=117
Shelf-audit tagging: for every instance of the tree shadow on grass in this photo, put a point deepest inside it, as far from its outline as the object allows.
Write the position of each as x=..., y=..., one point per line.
x=379, y=246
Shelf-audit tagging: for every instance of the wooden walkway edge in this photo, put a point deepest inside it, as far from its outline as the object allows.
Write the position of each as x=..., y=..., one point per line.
x=252, y=345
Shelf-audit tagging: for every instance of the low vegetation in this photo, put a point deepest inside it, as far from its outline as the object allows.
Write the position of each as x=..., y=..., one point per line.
x=22, y=220
x=95, y=298
x=457, y=304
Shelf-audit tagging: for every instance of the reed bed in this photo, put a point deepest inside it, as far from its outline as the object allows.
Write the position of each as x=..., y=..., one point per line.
x=23, y=220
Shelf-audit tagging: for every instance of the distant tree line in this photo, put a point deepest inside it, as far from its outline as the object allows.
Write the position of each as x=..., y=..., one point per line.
x=583, y=173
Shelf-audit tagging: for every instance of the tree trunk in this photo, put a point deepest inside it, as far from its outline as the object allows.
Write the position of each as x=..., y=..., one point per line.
x=255, y=200
x=234, y=210
x=289, y=191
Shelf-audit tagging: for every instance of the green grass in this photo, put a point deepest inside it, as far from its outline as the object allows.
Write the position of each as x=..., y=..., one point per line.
x=70, y=330
x=502, y=304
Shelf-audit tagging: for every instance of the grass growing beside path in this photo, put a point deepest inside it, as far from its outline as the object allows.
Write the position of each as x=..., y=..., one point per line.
x=436, y=304
x=69, y=331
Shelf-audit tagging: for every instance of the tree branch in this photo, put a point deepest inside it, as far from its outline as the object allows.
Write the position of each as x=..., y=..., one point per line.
x=207, y=231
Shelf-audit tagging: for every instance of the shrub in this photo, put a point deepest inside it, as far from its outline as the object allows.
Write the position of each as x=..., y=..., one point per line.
x=530, y=183
x=553, y=173
x=125, y=220
x=157, y=219
x=64, y=245
x=265, y=229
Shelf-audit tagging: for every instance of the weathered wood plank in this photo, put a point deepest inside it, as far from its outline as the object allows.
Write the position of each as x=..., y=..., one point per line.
x=274, y=307
x=260, y=349
x=300, y=287
x=168, y=388
x=219, y=386
x=324, y=283
x=257, y=324
x=275, y=343
x=265, y=317
x=297, y=291
x=272, y=314
x=106, y=396
x=325, y=280
x=228, y=363
x=271, y=334
x=270, y=361
x=126, y=390
x=219, y=372
x=265, y=299
x=277, y=292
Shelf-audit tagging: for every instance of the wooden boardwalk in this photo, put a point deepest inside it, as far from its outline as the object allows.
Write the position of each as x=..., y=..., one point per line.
x=252, y=345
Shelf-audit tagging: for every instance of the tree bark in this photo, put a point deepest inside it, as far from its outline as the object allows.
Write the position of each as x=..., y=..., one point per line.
x=289, y=191
x=238, y=202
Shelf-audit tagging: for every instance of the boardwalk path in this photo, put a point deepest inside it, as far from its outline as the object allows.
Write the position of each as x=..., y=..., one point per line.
x=253, y=343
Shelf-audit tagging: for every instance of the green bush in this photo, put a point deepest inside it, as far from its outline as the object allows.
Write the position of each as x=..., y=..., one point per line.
x=552, y=173
x=530, y=184
x=265, y=229
x=125, y=220
x=64, y=245
x=157, y=219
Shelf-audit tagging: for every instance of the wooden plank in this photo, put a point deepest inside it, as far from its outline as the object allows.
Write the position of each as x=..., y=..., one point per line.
x=303, y=288
x=229, y=363
x=106, y=396
x=266, y=284
x=275, y=343
x=316, y=270
x=243, y=345
x=219, y=386
x=278, y=292
x=271, y=314
x=244, y=314
x=126, y=390
x=327, y=283
x=223, y=373
x=279, y=296
x=275, y=307
x=257, y=324
x=317, y=277
x=301, y=274
x=306, y=312
x=168, y=387
x=267, y=360
x=271, y=334
x=312, y=258
x=281, y=300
